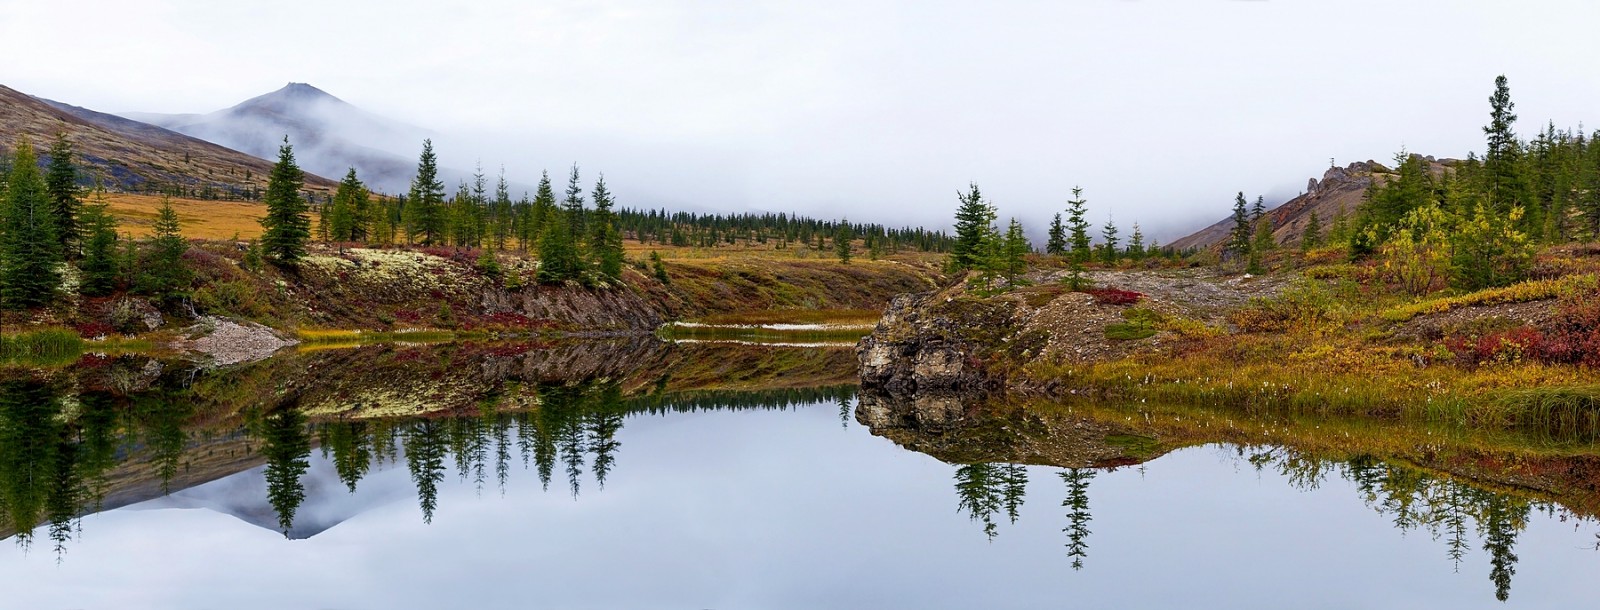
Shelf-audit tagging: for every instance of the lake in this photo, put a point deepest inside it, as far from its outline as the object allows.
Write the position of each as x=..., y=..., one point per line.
x=637, y=473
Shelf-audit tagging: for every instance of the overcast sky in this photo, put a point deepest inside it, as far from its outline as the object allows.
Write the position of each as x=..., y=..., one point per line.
x=1161, y=110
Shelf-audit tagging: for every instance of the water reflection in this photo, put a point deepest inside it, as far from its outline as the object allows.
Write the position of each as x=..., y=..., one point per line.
x=1447, y=510
x=988, y=442
x=61, y=442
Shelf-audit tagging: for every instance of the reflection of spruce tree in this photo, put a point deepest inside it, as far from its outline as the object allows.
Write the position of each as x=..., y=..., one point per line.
x=844, y=411
x=425, y=448
x=500, y=423
x=468, y=444
x=29, y=434
x=1077, y=505
x=604, y=420
x=160, y=418
x=1502, y=519
x=97, y=440
x=352, y=455
x=1015, y=478
x=978, y=493
x=287, y=447
x=571, y=445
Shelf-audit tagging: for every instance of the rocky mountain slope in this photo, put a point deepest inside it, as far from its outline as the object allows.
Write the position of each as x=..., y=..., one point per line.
x=1341, y=188
x=132, y=156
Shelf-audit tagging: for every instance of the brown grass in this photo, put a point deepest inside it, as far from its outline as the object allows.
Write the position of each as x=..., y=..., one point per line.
x=200, y=219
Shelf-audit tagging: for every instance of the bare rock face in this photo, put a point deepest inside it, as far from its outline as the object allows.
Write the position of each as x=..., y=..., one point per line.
x=930, y=342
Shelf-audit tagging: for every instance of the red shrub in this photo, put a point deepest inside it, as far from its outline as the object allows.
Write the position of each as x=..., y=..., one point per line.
x=1114, y=296
x=90, y=330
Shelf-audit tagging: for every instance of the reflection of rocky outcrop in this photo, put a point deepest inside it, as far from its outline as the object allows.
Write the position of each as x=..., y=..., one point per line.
x=963, y=430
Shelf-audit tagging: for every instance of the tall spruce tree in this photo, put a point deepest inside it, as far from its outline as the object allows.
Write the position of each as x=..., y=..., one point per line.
x=29, y=248
x=61, y=180
x=573, y=206
x=286, y=228
x=605, y=239
x=1078, y=242
x=424, y=214
x=1500, y=161
x=1239, y=239
x=972, y=222
x=1136, y=246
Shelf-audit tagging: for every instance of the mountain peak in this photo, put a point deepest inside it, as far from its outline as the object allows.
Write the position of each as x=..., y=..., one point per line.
x=297, y=93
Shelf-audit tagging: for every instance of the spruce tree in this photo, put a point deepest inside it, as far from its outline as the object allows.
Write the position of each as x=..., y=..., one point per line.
x=345, y=219
x=1016, y=247
x=558, y=254
x=1239, y=239
x=99, y=262
x=972, y=222
x=163, y=273
x=1109, y=252
x=1136, y=247
x=841, y=242
x=1078, y=238
x=1500, y=161
x=424, y=213
x=61, y=180
x=1078, y=226
x=28, y=242
x=286, y=227
x=605, y=240
x=1057, y=242
x=659, y=268
x=573, y=206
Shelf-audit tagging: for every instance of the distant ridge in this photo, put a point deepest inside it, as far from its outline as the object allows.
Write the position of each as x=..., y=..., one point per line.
x=1340, y=188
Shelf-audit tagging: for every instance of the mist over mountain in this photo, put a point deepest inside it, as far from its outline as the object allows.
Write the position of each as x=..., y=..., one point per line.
x=329, y=135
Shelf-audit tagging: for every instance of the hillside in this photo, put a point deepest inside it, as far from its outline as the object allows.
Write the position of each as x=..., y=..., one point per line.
x=131, y=156
x=329, y=135
x=1340, y=188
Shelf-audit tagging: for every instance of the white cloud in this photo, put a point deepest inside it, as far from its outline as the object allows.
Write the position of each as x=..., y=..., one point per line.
x=881, y=110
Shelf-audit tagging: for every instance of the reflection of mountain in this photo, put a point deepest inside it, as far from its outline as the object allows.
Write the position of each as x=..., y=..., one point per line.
x=327, y=502
x=120, y=431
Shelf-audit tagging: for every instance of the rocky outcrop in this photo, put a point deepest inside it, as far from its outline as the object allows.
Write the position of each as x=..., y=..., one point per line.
x=933, y=342
x=225, y=342
x=955, y=340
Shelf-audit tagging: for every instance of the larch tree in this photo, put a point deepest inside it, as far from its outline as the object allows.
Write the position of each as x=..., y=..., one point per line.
x=286, y=228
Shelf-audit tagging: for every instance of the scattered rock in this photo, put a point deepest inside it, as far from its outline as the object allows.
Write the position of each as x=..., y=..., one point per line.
x=227, y=342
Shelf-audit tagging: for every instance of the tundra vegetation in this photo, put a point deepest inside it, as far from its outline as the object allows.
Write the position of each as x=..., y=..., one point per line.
x=1463, y=291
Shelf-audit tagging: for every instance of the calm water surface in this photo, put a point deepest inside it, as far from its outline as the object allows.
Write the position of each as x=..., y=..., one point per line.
x=610, y=496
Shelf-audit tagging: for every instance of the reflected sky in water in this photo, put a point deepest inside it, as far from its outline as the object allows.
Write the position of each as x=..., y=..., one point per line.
x=759, y=508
